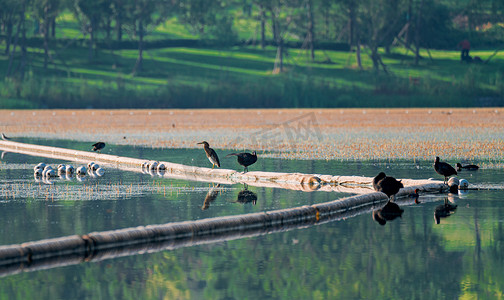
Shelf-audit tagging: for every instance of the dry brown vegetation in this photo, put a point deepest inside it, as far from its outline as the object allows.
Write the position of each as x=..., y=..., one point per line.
x=290, y=133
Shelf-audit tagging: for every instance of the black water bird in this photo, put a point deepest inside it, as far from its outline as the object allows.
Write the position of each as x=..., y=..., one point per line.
x=210, y=153
x=389, y=212
x=444, y=169
x=98, y=146
x=386, y=184
x=444, y=210
x=245, y=159
x=467, y=167
x=211, y=196
x=4, y=137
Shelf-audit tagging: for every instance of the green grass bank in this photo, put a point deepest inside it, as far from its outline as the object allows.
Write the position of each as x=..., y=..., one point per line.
x=241, y=77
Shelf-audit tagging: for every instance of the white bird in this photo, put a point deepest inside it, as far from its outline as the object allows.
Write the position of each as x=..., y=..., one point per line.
x=70, y=169
x=61, y=169
x=49, y=173
x=100, y=172
x=81, y=170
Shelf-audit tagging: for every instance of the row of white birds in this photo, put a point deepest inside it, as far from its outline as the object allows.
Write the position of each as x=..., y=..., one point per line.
x=46, y=171
x=150, y=167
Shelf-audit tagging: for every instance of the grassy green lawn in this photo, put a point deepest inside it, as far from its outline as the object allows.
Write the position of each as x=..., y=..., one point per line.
x=242, y=77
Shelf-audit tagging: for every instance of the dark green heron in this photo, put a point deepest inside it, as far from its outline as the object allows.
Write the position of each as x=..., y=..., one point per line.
x=245, y=159
x=386, y=184
x=98, y=146
x=467, y=167
x=444, y=169
x=210, y=153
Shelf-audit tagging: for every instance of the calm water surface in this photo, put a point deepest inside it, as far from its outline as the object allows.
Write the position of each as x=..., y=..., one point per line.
x=356, y=258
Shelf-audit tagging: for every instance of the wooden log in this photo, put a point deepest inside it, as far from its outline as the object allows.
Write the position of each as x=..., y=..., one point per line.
x=294, y=181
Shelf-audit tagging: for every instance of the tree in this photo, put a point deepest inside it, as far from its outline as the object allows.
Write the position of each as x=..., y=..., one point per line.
x=46, y=11
x=9, y=15
x=91, y=14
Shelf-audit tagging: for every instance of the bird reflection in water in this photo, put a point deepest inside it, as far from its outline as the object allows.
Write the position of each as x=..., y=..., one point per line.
x=211, y=196
x=246, y=196
x=444, y=210
x=389, y=212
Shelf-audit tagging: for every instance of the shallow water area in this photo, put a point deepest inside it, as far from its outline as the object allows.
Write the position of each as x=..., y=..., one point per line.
x=352, y=258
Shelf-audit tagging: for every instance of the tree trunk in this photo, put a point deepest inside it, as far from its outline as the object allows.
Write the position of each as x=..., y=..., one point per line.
x=91, y=39
x=53, y=27
x=274, y=25
x=8, y=35
x=311, y=34
x=417, y=32
x=407, y=39
x=278, y=68
x=22, y=64
x=107, y=29
x=119, y=26
x=139, y=64
x=46, y=37
x=13, y=52
x=351, y=23
x=263, y=25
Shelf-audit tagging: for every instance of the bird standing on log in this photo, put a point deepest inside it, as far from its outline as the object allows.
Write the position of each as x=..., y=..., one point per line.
x=245, y=159
x=444, y=169
x=98, y=146
x=387, y=185
x=210, y=153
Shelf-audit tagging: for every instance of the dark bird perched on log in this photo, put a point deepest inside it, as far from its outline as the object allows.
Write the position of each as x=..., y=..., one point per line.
x=389, y=212
x=444, y=210
x=5, y=138
x=98, y=146
x=467, y=167
x=210, y=153
x=245, y=159
x=444, y=169
x=386, y=184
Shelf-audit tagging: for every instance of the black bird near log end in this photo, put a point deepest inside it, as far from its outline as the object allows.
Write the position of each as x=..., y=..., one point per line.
x=245, y=159
x=98, y=146
x=210, y=153
x=444, y=169
x=467, y=167
x=387, y=185
x=4, y=137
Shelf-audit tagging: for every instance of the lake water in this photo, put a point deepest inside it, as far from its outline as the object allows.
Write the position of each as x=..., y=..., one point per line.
x=410, y=257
